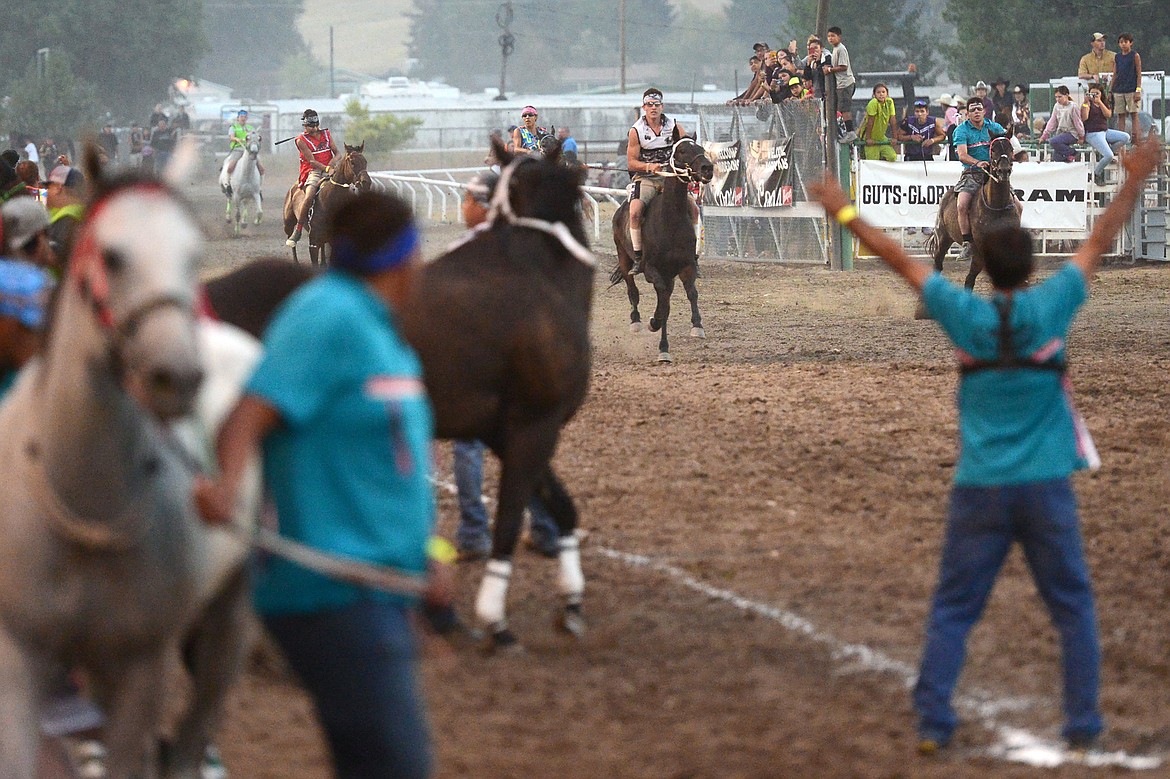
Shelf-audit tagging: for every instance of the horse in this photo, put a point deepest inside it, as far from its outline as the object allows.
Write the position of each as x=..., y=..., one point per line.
x=244, y=183
x=501, y=324
x=350, y=176
x=994, y=207
x=668, y=243
x=105, y=564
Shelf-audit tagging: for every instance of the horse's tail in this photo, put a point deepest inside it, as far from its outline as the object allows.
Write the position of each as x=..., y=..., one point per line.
x=932, y=241
x=616, y=276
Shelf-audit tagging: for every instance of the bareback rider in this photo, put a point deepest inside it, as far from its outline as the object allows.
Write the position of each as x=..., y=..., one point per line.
x=526, y=137
x=237, y=141
x=317, y=152
x=972, y=140
x=650, y=142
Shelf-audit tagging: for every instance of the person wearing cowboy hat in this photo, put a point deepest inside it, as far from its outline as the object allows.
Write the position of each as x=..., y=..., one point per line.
x=950, y=109
x=981, y=92
x=318, y=151
x=1002, y=101
x=1098, y=61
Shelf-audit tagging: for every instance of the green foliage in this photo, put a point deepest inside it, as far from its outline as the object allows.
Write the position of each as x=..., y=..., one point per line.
x=131, y=50
x=459, y=41
x=57, y=103
x=302, y=76
x=381, y=134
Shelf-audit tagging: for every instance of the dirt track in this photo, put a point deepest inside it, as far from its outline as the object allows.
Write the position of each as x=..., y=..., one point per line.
x=799, y=457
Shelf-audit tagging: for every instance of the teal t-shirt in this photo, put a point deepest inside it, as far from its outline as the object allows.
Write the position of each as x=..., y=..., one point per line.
x=977, y=141
x=1015, y=425
x=349, y=466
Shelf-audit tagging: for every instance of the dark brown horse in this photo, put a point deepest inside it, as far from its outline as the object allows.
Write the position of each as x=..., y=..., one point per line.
x=350, y=176
x=501, y=323
x=994, y=206
x=668, y=242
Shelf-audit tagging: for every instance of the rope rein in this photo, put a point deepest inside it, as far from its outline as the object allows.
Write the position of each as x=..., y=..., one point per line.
x=501, y=207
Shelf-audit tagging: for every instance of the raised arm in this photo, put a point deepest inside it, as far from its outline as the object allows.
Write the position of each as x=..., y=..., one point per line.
x=837, y=204
x=1142, y=159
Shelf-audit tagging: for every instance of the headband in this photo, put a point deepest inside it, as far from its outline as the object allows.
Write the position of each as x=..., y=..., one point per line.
x=528, y=108
x=392, y=254
x=655, y=95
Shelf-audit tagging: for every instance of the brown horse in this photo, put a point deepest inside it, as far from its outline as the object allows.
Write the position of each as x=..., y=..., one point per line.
x=668, y=242
x=994, y=207
x=350, y=176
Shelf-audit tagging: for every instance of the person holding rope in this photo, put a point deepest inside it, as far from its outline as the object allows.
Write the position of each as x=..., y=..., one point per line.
x=317, y=151
x=648, y=148
x=1020, y=441
x=338, y=407
x=237, y=141
x=526, y=137
x=972, y=142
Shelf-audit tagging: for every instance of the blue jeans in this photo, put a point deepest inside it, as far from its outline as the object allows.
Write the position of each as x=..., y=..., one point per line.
x=982, y=523
x=1103, y=142
x=360, y=666
x=1062, y=146
x=473, y=533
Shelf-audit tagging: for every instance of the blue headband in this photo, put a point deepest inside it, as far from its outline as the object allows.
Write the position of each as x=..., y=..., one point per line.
x=24, y=291
x=391, y=254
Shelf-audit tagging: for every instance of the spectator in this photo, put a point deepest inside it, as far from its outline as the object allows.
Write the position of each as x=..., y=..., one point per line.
x=137, y=141
x=761, y=49
x=1065, y=127
x=181, y=122
x=756, y=87
x=156, y=115
x=316, y=419
x=108, y=142
x=950, y=106
x=796, y=89
x=162, y=141
x=11, y=156
x=920, y=133
x=1095, y=114
x=846, y=83
x=1098, y=63
x=879, y=126
x=65, y=201
x=1002, y=101
x=1126, y=83
x=981, y=91
x=26, y=232
x=1021, y=113
x=813, y=65
x=24, y=295
x=26, y=171
x=11, y=185
x=568, y=144
x=33, y=154
x=960, y=117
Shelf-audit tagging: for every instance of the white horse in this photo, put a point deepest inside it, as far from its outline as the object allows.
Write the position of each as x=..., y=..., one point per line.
x=243, y=184
x=104, y=562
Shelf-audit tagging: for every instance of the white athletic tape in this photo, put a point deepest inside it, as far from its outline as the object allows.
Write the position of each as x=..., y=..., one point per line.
x=571, y=580
x=1014, y=745
x=493, y=590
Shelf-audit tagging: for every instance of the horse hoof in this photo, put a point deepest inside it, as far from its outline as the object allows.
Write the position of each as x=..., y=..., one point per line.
x=259, y=217
x=501, y=640
x=697, y=332
x=572, y=621
x=664, y=357
x=653, y=325
x=635, y=327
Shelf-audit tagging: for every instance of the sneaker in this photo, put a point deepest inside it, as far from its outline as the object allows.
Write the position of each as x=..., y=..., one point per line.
x=1099, y=179
x=634, y=271
x=965, y=254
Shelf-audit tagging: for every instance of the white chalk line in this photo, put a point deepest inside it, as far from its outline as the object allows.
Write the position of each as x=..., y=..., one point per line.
x=1015, y=744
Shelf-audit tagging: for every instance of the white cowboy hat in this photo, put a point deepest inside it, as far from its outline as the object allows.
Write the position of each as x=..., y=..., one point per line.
x=982, y=85
x=944, y=99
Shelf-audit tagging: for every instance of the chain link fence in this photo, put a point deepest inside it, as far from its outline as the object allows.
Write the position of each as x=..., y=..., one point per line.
x=796, y=233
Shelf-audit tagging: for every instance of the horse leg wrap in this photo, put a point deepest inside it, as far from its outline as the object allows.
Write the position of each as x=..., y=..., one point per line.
x=636, y=238
x=489, y=603
x=571, y=580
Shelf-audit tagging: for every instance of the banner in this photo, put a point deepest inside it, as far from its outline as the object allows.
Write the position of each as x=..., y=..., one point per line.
x=769, y=173
x=726, y=187
x=907, y=194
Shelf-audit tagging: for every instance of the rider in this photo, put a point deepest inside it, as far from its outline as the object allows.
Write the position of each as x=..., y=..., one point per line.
x=237, y=141
x=972, y=140
x=527, y=136
x=647, y=151
x=317, y=153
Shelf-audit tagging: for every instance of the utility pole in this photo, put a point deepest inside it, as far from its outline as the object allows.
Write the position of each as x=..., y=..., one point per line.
x=332, y=83
x=42, y=62
x=622, y=38
x=507, y=43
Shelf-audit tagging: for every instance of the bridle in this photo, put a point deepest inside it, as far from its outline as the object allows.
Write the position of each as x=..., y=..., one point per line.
x=993, y=174
x=686, y=173
x=354, y=179
x=88, y=270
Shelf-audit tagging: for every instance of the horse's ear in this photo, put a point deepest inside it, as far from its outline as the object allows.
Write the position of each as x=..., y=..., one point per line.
x=362, y=149
x=555, y=154
x=91, y=161
x=500, y=151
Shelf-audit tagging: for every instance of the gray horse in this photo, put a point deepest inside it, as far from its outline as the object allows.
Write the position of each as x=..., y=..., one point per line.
x=104, y=563
x=242, y=186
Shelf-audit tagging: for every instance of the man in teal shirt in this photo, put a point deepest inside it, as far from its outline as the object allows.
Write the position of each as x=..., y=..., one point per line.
x=1020, y=440
x=972, y=142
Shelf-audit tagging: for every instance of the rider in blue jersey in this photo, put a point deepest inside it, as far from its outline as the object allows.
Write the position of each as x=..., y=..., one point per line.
x=526, y=137
x=972, y=141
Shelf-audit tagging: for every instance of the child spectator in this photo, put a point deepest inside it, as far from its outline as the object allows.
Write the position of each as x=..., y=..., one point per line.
x=846, y=83
x=920, y=133
x=1126, y=83
x=1021, y=113
x=879, y=126
x=1064, y=127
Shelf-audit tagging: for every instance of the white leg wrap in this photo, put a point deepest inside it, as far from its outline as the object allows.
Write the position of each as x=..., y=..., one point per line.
x=571, y=580
x=636, y=238
x=489, y=603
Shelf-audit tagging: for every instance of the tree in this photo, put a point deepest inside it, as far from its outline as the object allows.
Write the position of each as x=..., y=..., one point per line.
x=131, y=50
x=54, y=103
x=251, y=42
x=302, y=76
x=382, y=134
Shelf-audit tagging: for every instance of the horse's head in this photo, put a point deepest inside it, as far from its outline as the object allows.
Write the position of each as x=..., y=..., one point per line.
x=690, y=162
x=542, y=188
x=354, y=168
x=1001, y=158
x=252, y=142
x=131, y=284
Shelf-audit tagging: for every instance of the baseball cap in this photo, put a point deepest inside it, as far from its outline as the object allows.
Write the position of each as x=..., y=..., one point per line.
x=24, y=291
x=482, y=186
x=66, y=176
x=758, y=46
x=1098, y=36
x=24, y=217
x=794, y=81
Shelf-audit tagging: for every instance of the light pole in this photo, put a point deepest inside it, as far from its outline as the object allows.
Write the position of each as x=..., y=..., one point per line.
x=507, y=43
